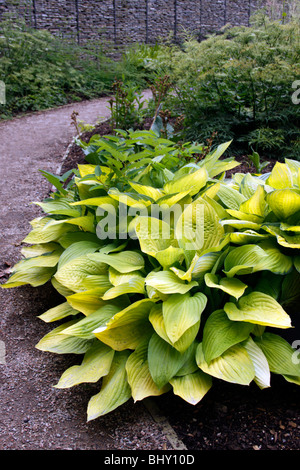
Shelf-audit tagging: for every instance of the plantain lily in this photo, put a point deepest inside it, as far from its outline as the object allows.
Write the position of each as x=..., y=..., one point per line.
x=186, y=282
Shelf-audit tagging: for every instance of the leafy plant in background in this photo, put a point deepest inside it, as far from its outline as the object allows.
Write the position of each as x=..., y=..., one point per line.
x=153, y=307
x=126, y=106
x=238, y=83
x=42, y=71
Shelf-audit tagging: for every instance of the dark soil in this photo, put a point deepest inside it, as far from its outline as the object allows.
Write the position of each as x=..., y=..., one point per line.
x=230, y=416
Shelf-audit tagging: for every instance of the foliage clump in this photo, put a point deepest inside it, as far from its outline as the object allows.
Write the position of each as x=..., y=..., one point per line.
x=172, y=276
x=239, y=83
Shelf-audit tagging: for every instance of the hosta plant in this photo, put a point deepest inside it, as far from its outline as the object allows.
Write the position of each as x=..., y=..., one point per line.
x=173, y=276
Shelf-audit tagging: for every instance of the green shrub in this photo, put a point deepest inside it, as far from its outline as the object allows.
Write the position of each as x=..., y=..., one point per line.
x=239, y=83
x=42, y=71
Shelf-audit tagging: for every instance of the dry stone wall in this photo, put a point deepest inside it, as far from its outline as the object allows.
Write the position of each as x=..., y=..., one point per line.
x=130, y=21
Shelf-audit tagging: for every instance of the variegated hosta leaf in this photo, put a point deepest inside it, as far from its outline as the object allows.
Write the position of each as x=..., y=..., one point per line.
x=276, y=261
x=259, y=308
x=35, y=277
x=139, y=377
x=43, y=232
x=220, y=334
x=168, y=283
x=58, y=313
x=85, y=222
x=154, y=235
x=199, y=228
x=84, y=328
x=230, y=197
x=57, y=342
x=128, y=327
x=284, y=202
x=76, y=250
x=234, y=365
x=137, y=201
x=73, y=273
x=35, y=271
x=231, y=286
x=192, y=387
x=169, y=256
x=198, y=267
x=192, y=183
x=249, y=184
x=115, y=389
x=259, y=360
x=124, y=262
x=256, y=204
x=181, y=312
x=59, y=207
x=281, y=176
x=247, y=218
x=164, y=360
x=96, y=364
x=243, y=260
x=157, y=320
x=136, y=285
x=87, y=302
x=247, y=237
x=154, y=193
x=282, y=358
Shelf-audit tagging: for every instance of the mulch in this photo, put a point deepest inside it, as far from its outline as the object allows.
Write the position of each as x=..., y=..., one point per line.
x=230, y=416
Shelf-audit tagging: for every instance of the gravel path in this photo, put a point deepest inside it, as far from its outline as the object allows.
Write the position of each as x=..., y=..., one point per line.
x=33, y=414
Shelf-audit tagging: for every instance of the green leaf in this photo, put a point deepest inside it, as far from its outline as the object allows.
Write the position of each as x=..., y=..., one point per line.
x=127, y=328
x=35, y=277
x=76, y=250
x=231, y=286
x=243, y=260
x=74, y=273
x=57, y=342
x=115, y=389
x=280, y=177
x=258, y=308
x=157, y=320
x=234, y=365
x=220, y=333
x=84, y=328
x=230, y=197
x=168, y=283
x=276, y=261
x=139, y=378
x=192, y=387
x=154, y=235
x=259, y=360
x=54, y=180
x=136, y=285
x=58, y=313
x=124, y=262
x=43, y=231
x=279, y=353
x=192, y=183
x=199, y=228
x=96, y=364
x=284, y=202
x=256, y=205
x=181, y=312
x=164, y=360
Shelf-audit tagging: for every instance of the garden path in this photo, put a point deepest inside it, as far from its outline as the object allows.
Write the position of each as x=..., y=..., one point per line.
x=33, y=414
